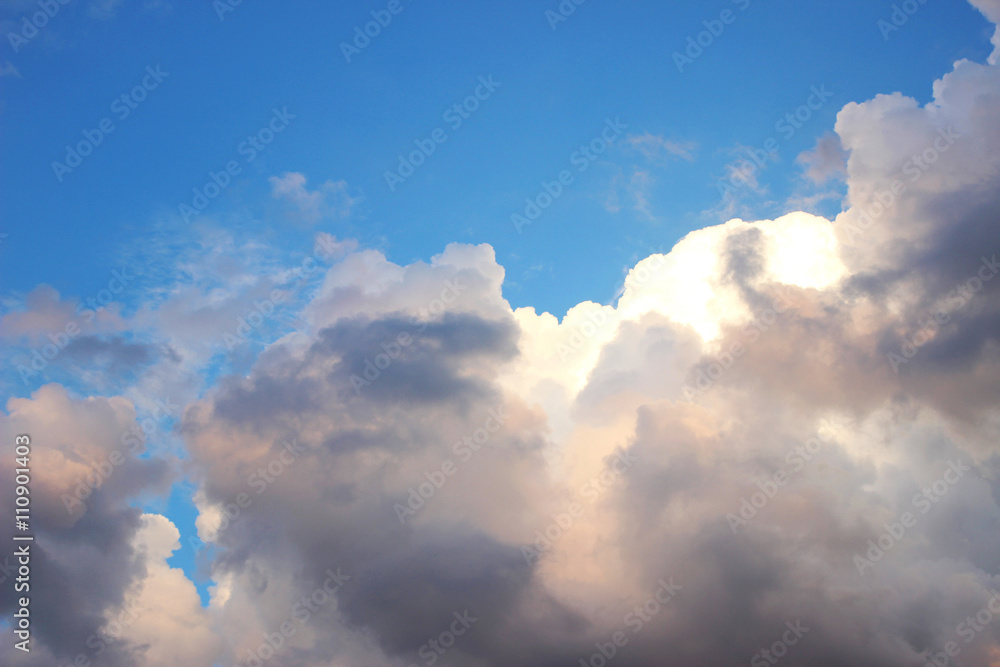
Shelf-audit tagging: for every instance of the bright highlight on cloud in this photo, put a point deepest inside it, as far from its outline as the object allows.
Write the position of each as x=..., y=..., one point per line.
x=778, y=439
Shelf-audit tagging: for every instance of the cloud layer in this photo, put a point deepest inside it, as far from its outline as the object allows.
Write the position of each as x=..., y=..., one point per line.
x=782, y=430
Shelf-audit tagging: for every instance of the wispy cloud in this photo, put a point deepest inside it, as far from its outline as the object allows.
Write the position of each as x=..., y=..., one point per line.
x=7, y=69
x=659, y=150
x=331, y=200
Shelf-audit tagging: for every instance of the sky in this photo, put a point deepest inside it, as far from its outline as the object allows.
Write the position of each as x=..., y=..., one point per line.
x=638, y=333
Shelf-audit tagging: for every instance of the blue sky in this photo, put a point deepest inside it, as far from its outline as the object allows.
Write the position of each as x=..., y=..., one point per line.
x=509, y=98
x=354, y=119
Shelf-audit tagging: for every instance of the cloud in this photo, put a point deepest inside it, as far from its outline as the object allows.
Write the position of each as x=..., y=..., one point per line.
x=746, y=375
x=331, y=200
x=635, y=189
x=43, y=312
x=164, y=612
x=658, y=149
x=639, y=186
x=103, y=9
x=991, y=10
x=116, y=355
x=86, y=471
x=789, y=421
x=825, y=161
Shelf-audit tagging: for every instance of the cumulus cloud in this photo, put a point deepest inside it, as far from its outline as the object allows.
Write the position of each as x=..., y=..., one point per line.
x=991, y=10
x=780, y=426
x=166, y=616
x=735, y=426
x=86, y=465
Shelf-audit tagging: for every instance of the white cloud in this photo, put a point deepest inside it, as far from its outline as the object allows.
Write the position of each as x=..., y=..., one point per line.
x=658, y=149
x=169, y=621
x=991, y=10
